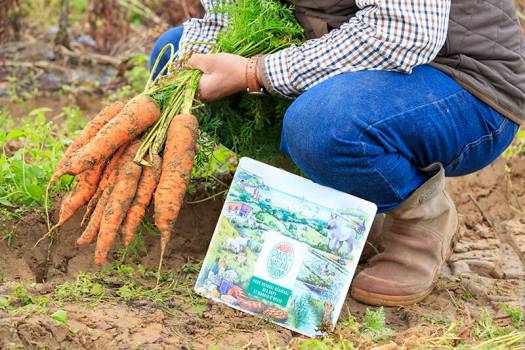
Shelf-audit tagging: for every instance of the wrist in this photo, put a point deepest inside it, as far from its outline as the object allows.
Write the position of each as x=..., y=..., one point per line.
x=262, y=75
x=258, y=70
x=253, y=80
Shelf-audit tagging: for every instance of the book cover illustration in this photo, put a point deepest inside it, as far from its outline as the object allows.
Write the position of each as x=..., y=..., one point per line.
x=285, y=248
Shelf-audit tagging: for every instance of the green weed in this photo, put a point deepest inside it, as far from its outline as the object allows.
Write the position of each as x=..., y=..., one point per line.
x=348, y=322
x=517, y=315
x=60, y=316
x=29, y=153
x=485, y=328
x=137, y=248
x=517, y=147
x=22, y=296
x=373, y=326
x=118, y=282
x=325, y=344
x=468, y=296
x=73, y=120
x=8, y=236
x=83, y=289
x=139, y=72
x=21, y=83
x=4, y=304
x=22, y=301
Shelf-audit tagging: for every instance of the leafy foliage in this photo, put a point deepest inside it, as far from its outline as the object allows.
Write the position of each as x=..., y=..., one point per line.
x=21, y=295
x=29, y=154
x=251, y=125
x=258, y=27
x=84, y=288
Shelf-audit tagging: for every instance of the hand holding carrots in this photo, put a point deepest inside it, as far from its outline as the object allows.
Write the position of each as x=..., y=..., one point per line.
x=223, y=74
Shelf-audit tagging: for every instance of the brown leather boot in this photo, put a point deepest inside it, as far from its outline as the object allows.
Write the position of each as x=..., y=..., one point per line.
x=417, y=238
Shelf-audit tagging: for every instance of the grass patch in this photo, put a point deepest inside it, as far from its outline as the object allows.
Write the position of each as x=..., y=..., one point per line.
x=124, y=283
x=31, y=146
x=325, y=344
x=517, y=316
x=485, y=328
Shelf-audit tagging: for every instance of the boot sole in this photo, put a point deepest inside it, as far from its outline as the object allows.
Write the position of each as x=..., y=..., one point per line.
x=375, y=299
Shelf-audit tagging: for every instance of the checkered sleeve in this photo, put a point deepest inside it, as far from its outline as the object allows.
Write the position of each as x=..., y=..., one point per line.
x=394, y=35
x=200, y=33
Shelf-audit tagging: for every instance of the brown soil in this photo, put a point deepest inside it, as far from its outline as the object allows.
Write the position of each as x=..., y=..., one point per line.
x=485, y=270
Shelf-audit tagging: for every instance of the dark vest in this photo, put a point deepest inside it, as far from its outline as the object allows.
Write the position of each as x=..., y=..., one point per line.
x=484, y=50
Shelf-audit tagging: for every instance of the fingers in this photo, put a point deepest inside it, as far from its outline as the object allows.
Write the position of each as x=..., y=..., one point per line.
x=205, y=88
x=201, y=62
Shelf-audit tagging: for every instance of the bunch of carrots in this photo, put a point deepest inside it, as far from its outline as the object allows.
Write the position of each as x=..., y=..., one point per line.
x=130, y=153
x=115, y=188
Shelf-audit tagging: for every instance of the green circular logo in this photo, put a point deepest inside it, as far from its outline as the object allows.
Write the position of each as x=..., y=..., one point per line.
x=280, y=260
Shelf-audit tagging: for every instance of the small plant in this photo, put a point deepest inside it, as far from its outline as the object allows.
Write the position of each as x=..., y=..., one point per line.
x=7, y=236
x=137, y=248
x=60, y=316
x=85, y=288
x=29, y=154
x=325, y=344
x=4, y=304
x=22, y=296
x=468, y=296
x=517, y=147
x=485, y=328
x=21, y=84
x=348, y=321
x=23, y=302
x=139, y=72
x=373, y=326
x=517, y=315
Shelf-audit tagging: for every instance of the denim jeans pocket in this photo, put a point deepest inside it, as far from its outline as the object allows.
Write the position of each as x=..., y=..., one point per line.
x=481, y=152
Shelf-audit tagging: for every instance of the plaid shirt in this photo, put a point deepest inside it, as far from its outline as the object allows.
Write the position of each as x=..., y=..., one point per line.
x=394, y=35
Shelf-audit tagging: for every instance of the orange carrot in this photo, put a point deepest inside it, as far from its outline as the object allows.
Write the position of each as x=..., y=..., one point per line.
x=179, y=151
x=91, y=129
x=92, y=228
x=119, y=202
x=91, y=231
x=146, y=187
x=137, y=115
x=86, y=185
x=103, y=181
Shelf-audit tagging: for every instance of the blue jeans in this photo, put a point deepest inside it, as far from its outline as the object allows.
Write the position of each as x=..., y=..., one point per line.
x=172, y=36
x=370, y=133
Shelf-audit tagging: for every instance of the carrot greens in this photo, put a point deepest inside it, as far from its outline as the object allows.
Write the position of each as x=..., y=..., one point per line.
x=255, y=27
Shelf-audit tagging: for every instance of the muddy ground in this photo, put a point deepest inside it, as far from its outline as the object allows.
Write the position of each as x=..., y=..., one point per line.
x=485, y=271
